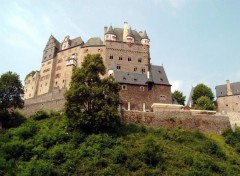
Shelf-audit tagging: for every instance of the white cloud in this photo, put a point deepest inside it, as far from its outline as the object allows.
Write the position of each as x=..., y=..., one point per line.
x=176, y=85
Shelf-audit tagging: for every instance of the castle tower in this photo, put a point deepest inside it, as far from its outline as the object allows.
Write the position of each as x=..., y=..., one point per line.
x=109, y=35
x=145, y=40
x=51, y=48
x=130, y=36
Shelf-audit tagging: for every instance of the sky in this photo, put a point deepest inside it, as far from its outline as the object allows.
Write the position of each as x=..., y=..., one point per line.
x=197, y=41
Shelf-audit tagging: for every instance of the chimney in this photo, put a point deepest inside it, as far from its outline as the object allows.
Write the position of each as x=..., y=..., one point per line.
x=125, y=31
x=229, y=90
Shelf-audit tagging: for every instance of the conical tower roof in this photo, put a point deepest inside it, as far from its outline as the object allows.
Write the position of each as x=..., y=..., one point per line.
x=110, y=30
x=145, y=36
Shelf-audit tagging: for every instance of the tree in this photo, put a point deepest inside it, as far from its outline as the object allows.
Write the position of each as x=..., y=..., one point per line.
x=11, y=91
x=204, y=103
x=92, y=102
x=202, y=90
x=179, y=97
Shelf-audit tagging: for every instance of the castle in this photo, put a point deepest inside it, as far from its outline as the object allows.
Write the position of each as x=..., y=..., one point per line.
x=228, y=97
x=126, y=56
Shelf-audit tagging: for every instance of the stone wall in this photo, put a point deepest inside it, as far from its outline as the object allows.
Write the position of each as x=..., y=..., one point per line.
x=184, y=119
x=229, y=103
x=136, y=97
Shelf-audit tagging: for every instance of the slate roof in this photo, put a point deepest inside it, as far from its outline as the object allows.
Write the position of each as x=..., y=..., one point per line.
x=94, y=41
x=76, y=41
x=158, y=77
x=110, y=30
x=119, y=33
x=145, y=36
x=221, y=90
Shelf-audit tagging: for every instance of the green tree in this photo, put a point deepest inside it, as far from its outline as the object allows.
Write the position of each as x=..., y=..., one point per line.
x=11, y=93
x=202, y=90
x=204, y=103
x=179, y=97
x=92, y=102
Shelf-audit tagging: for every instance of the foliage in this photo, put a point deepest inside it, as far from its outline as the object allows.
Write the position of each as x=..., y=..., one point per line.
x=179, y=97
x=202, y=90
x=11, y=91
x=48, y=147
x=92, y=102
x=204, y=103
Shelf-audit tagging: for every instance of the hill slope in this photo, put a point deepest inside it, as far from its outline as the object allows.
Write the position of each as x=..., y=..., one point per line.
x=44, y=145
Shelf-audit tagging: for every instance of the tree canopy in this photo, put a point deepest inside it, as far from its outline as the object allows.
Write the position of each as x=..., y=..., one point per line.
x=202, y=90
x=92, y=102
x=179, y=97
x=204, y=103
x=11, y=91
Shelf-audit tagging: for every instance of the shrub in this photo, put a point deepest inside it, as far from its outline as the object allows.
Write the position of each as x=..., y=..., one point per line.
x=40, y=115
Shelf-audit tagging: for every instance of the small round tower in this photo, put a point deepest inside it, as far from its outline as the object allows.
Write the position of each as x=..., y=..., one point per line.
x=130, y=36
x=145, y=40
x=109, y=35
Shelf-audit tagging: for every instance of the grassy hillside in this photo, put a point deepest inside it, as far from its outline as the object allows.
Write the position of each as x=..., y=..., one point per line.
x=44, y=145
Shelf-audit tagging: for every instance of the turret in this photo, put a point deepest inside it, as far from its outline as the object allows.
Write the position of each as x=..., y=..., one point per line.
x=145, y=40
x=51, y=49
x=130, y=36
x=66, y=43
x=109, y=35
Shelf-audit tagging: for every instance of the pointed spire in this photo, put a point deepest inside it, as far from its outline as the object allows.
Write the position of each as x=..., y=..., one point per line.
x=145, y=36
x=110, y=30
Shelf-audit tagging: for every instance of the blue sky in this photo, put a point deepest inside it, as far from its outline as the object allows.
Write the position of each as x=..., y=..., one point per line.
x=197, y=41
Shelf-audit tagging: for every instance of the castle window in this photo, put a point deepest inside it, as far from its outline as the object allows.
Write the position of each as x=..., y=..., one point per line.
x=143, y=70
x=162, y=97
x=124, y=87
x=47, y=77
x=139, y=60
x=135, y=80
x=56, y=82
x=63, y=81
x=161, y=79
x=111, y=57
x=124, y=78
x=135, y=69
x=159, y=71
x=141, y=88
x=118, y=67
x=59, y=68
x=120, y=58
x=58, y=75
x=129, y=58
x=226, y=104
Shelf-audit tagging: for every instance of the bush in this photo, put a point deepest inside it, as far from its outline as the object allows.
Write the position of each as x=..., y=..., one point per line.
x=40, y=115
